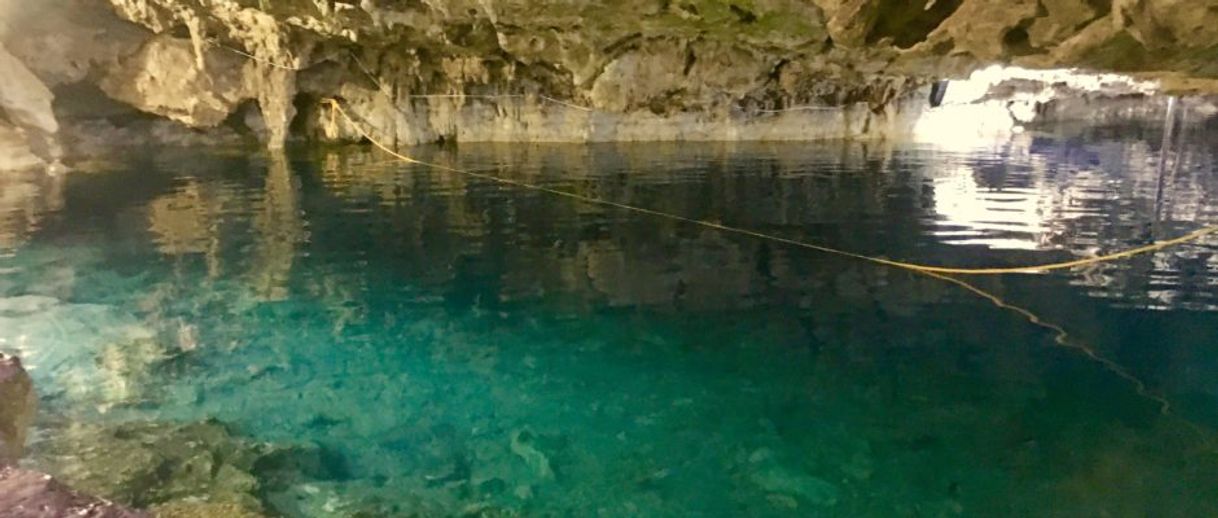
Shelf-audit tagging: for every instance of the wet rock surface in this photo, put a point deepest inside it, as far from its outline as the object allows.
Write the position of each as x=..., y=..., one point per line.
x=178, y=470
x=29, y=494
x=18, y=404
x=174, y=470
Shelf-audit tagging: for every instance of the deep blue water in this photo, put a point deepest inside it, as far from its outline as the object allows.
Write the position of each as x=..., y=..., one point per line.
x=453, y=342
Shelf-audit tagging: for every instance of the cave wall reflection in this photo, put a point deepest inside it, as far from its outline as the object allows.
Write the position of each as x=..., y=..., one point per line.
x=1001, y=206
x=26, y=197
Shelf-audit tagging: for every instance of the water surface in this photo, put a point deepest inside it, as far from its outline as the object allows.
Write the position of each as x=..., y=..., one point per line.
x=455, y=344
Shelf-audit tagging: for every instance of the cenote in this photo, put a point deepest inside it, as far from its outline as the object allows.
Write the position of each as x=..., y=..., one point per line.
x=628, y=258
x=356, y=336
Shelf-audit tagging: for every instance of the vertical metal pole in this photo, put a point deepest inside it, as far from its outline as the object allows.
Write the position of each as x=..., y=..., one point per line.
x=1168, y=126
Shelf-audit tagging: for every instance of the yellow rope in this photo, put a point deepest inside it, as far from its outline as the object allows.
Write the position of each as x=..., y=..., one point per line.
x=1062, y=338
x=335, y=107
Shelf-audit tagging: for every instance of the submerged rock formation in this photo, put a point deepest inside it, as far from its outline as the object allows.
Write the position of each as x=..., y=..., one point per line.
x=174, y=470
x=29, y=494
x=147, y=464
x=17, y=406
x=488, y=70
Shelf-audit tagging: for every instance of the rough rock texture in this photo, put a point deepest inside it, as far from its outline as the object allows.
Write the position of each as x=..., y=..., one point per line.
x=18, y=404
x=565, y=70
x=161, y=78
x=26, y=104
x=29, y=494
x=174, y=470
x=44, y=46
x=179, y=470
x=147, y=464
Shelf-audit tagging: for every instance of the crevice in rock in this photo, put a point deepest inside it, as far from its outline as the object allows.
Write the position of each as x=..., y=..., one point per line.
x=308, y=108
x=1101, y=7
x=1016, y=41
x=909, y=22
x=745, y=15
x=623, y=45
x=246, y=120
x=689, y=8
x=84, y=100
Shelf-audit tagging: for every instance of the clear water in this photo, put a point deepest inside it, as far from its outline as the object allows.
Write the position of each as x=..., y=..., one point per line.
x=455, y=343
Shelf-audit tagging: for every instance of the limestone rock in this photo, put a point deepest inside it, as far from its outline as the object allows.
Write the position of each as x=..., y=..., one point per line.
x=988, y=30
x=1061, y=20
x=26, y=102
x=28, y=494
x=275, y=89
x=162, y=78
x=18, y=404
x=64, y=41
x=618, y=87
x=552, y=70
x=523, y=446
x=852, y=22
x=180, y=470
x=146, y=464
x=269, y=75
x=785, y=481
x=183, y=509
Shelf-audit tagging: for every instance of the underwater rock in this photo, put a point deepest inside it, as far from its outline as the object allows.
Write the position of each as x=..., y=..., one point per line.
x=125, y=366
x=18, y=404
x=25, y=304
x=781, y=480
x=185, y=509
x=284, y=466
x=97, y=355
x=186, y=470
x=366, y=498
x=146, y=464
x=29, y=494
x=538, y=462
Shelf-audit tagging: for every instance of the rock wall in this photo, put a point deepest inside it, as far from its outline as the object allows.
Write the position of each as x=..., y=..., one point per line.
x=26, y=102
x=549, y=70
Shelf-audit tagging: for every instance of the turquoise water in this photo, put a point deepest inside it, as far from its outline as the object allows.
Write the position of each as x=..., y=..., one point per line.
x=455, y=345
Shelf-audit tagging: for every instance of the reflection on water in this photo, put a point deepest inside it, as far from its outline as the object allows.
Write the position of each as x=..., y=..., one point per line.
x=25, y=197
x=280, y=228
x=455, y=346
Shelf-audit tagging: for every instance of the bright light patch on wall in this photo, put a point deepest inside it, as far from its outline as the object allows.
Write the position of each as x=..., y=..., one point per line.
x=988, y=110
x=996, y=102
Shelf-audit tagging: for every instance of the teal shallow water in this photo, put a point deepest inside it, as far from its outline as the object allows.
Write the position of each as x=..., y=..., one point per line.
x=452, y=343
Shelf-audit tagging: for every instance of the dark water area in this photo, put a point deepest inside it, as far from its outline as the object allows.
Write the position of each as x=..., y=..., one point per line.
x=457, y=346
